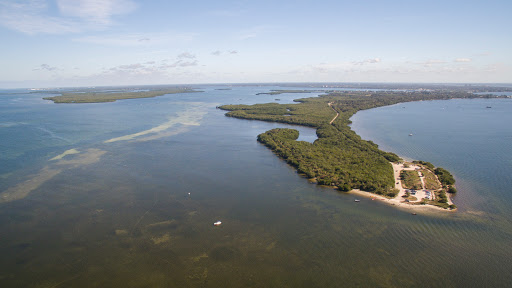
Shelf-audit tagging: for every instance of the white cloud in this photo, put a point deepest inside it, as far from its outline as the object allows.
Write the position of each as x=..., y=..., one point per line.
x=179, y=63
x=29, y=17
x=34, y=16
x=219, y=53
x=367, y=61
x=340, y=67
x=186, y=63
x=45, y=67
x=405, y=71
x=95, y=11
x=182, y=60
x=131, y=67
x=149, y=72
x=136, y=39
x=432, y=62
x=462, y=60
x=186, y=55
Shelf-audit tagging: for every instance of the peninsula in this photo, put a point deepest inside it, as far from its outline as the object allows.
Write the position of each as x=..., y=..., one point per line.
x=340, y=158
x=99, y=97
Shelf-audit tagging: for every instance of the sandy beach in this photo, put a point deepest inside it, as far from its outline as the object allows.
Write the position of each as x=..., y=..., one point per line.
x=399, y=201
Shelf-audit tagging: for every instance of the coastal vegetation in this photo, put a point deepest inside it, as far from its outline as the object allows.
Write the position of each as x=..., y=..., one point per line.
x=445, y=177
x=425, y=179
x=430, y=179
x=425, y=163
x=329, y=162
x=99, y=97
x=410, y=179
x=339, y=157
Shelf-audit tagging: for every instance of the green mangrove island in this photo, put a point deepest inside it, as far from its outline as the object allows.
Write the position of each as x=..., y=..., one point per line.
x=340, y=158
x=99, y=97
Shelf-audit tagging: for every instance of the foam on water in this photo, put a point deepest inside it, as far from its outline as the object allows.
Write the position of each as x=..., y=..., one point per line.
x=192, y=116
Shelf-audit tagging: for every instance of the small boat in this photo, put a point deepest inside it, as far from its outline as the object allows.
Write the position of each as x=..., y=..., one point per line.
x=357, y=200
x=410, y=134
x=217, y=223
x=413, y=213
x=488, y=107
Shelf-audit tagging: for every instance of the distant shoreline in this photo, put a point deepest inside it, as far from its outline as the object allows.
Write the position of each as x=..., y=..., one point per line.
x=102, y=97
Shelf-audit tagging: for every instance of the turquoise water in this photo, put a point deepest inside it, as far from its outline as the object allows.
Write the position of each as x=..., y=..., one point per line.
x=119, y=213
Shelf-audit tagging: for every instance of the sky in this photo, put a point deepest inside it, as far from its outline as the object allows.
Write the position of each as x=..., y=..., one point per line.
x=76, y=43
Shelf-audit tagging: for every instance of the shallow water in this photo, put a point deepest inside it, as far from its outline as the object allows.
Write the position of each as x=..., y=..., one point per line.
x=128, y=219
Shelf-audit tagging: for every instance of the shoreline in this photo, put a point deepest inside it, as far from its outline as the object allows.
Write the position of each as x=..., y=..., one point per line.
x=398, y=201
x=106, y=97
x=400, y=205
x=319, y=168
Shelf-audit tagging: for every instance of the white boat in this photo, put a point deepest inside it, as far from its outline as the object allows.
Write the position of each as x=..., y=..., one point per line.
x=357, y=200
x=217, y=223
x=410, y=134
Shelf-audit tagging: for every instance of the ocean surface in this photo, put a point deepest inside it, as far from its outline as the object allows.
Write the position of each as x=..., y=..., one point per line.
x=125, y=194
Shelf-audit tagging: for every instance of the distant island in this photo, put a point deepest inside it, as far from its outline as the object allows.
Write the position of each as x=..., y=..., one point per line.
x=340, y=158
x=99, y=97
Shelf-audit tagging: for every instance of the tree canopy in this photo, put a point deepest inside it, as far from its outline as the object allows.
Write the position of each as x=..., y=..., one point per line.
x=339, y=157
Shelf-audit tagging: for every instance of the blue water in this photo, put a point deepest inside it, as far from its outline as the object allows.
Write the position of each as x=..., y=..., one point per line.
x=33, y=129
x=138, y=211
x=464, y=136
